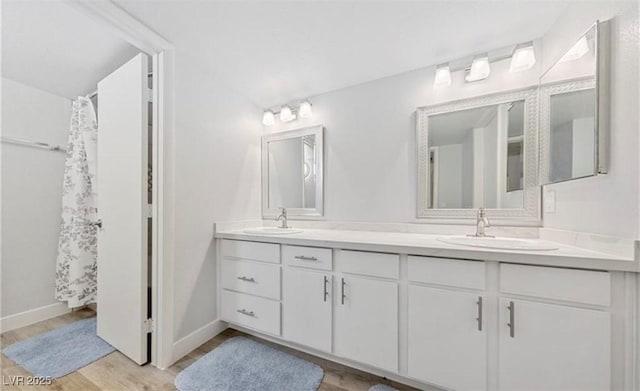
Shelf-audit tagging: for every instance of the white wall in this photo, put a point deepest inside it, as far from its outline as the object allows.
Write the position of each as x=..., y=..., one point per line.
x=217, y=178
x=607, y=204
x=31, y=195
x=370, y=165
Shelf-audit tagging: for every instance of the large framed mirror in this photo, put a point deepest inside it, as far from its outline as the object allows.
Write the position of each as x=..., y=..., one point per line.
x=292, y=173
x=574, y=110
x=479, y=153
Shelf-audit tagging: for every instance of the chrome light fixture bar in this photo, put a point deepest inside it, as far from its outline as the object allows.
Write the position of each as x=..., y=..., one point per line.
x=287, y=113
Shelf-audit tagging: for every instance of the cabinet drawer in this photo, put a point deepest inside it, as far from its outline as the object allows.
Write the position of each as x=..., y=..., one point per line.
x=251, y=311
x=369, y=264
x=580, y=286
x=311, y=257
x=255, y=251
x=257, y=278
x=450, y=272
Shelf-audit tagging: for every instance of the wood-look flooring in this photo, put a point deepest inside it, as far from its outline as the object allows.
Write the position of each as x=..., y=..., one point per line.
x=116, y=372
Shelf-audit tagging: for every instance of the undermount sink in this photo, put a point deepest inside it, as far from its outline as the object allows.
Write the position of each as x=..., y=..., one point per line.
x=499, y=243
x=272, y=231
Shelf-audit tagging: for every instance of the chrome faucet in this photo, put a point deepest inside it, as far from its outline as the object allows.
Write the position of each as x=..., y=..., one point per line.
x=283, y=217
x=482, y=222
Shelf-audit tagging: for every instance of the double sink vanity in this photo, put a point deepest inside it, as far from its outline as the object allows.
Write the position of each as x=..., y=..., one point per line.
x=427, y=304
x=427, y=312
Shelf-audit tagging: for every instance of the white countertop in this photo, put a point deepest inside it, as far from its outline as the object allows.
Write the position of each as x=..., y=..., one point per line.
x=429, y=245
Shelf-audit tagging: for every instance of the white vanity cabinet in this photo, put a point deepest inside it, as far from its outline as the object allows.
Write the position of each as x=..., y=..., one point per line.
x=307, y=309
x=447, y=327
x=453, y=323
x=554, y=346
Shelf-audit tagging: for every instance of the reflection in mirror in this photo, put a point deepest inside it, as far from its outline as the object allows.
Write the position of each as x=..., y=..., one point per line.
x=569, y=113
x=292, y=172
x=476, y=157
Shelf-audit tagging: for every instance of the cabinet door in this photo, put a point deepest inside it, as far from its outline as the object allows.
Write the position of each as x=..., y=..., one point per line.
x=553, y=347
x=306, y=306
x=447, y=338
x=366, y=325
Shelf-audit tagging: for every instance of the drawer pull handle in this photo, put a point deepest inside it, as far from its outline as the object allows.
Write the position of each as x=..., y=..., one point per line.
x=247, y=279
x=343, y=295
x=326, y=291
x=479, y=318
x=248, y=313
x=512, y=319
x=305, y=258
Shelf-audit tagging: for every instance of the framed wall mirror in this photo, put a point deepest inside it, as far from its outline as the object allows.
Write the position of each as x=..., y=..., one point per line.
x=574, y=110
x=292, y=173
x=479, y=153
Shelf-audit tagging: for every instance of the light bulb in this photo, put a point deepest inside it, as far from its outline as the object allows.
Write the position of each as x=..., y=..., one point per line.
x=480, y=69
x=443, y=76
x=305, y=109
x=286, y=114
x=268, y=118
x=577, y=51
x=523, y=58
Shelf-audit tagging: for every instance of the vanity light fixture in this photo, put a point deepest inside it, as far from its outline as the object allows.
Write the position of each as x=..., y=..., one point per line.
x=443, y=76
x=480, y=69
x=268, y=118
x=523, y=58
x=304, y=111
x=577, y=51
x=286, y=114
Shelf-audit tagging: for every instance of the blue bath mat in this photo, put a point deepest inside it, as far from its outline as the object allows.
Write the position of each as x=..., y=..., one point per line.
x=241, y=364
x=382, y=387
x=61, y=351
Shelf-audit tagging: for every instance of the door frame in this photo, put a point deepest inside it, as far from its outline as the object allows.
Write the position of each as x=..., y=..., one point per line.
x=161, y=52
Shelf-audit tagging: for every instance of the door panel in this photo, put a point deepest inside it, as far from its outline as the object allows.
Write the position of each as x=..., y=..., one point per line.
x=306, y=309
x=447, y=338
x=366, y=325
x=122, y=200
x=554, y=347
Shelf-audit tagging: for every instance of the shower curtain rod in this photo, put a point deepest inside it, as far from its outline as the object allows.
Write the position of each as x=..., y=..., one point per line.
x=95, y=93
x=34, y=144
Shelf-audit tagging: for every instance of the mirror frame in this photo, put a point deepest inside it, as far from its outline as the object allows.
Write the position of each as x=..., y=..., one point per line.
x=294, y=213
x=530, y=213
x=601, y=82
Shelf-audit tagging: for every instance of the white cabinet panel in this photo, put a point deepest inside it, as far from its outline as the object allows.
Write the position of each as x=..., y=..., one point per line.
x=306, y=308
x=256, y=278
x=444, y=271
x=255, y=251
x=369, y=264
x=447, y=341
x=551, y=347
x=310, y=257
x=251, y=311
x=366, y=324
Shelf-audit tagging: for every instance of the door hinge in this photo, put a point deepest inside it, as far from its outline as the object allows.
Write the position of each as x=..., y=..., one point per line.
x=149, y=326
x=149, y=210
x=150, y=94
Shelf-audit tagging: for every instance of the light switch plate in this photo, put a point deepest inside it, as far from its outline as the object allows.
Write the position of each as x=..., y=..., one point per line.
x=549, y=201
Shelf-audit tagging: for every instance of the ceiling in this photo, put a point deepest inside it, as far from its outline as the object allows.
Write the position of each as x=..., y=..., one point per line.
x=51, y=46
x=275, y=52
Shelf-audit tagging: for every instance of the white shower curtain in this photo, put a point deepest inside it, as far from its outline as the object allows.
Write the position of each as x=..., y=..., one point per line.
x=76, y=272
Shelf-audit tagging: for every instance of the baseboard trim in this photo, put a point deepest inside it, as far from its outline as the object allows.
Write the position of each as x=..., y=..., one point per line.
x=35, y=315
x=192, y=341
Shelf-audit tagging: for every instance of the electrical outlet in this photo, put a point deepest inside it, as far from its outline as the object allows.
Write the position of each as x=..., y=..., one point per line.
x=549, y=201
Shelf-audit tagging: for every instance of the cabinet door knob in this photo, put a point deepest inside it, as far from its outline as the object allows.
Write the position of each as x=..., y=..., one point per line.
x=305, y=258
x=512, y=319
x=479, y=318
x=248, y=313
x=326, y=291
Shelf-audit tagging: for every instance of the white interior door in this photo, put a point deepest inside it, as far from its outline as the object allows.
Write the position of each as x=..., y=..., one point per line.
x=122, y=207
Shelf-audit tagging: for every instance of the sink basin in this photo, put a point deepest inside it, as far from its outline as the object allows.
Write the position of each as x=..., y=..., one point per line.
x=272, y=231
x=499, y=243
